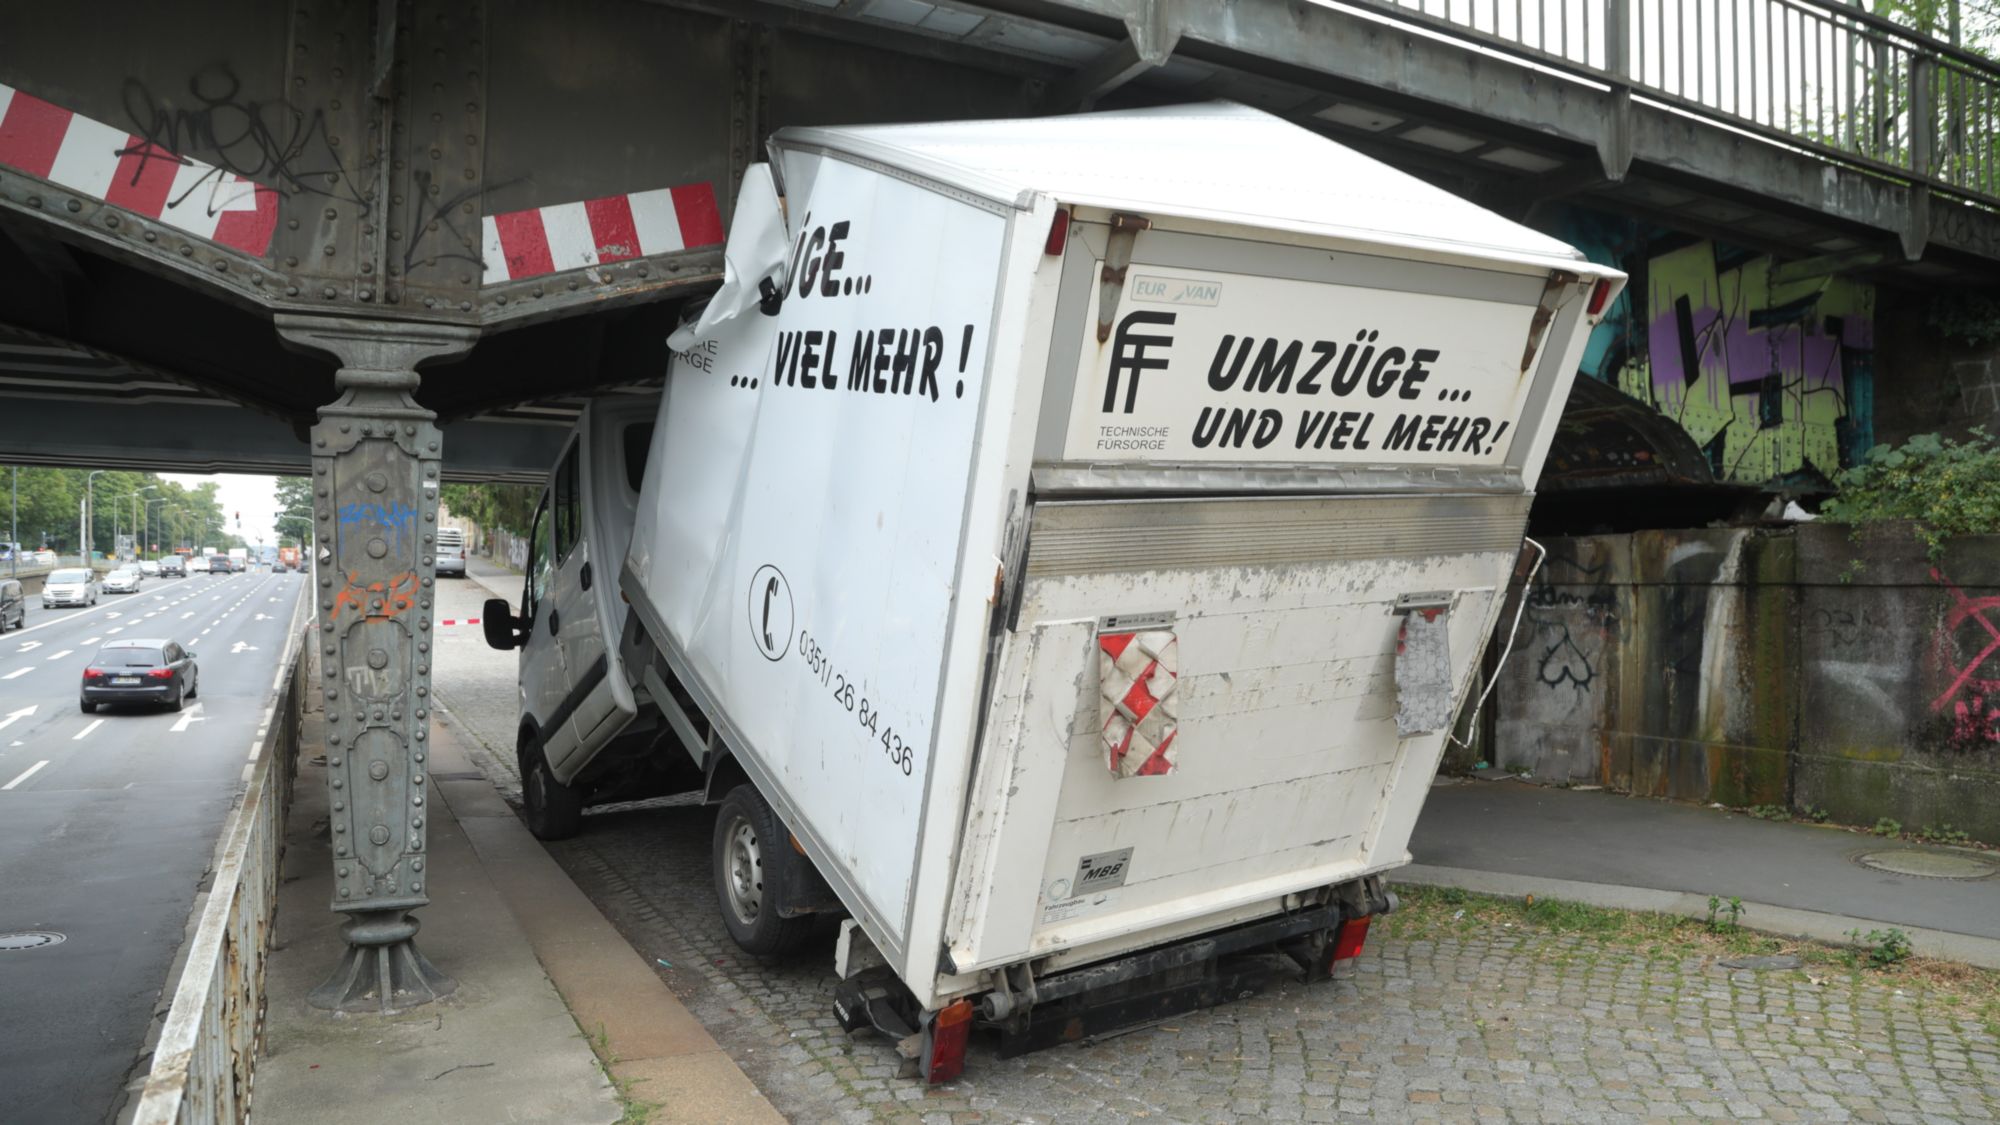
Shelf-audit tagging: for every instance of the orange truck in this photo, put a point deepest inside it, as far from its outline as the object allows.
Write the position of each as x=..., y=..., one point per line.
x=288, y=557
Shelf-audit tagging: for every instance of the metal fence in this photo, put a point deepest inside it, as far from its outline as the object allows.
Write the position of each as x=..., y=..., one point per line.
x=1823, y=75
x=202, y=1065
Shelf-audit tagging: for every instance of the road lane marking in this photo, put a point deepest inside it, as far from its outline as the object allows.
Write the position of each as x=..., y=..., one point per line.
x=204, y=632
x=59, y=655
x=16, y=716
x=18, y=672
x=92, y=640
x=242, y=646
x=116, y=629
x=25, y=775
x=191, y=715
x=80, y=735
x=188, y=614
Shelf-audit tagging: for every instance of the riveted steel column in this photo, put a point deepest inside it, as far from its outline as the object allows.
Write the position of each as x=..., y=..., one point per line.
x=375, y=456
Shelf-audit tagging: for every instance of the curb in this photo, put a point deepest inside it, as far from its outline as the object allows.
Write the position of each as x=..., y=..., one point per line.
x=1763, y=917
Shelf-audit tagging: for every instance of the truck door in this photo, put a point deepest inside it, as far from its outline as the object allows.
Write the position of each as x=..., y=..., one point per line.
x=574, y=621
x=544, y=680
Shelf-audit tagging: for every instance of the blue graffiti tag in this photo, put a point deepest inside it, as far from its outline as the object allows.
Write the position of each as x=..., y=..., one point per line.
x=397, y=517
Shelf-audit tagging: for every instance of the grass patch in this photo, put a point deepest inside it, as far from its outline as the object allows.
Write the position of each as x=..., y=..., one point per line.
x=634, y=1111
x=1449, y=913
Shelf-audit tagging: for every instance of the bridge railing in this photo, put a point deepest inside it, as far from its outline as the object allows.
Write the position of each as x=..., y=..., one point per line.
x=1823, y=75
x=201, y=1073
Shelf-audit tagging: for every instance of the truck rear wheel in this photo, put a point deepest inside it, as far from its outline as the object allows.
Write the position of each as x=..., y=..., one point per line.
x=753, y=859
x=553, y=810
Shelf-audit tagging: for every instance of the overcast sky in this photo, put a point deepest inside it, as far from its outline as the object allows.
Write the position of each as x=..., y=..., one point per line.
x=254, y=496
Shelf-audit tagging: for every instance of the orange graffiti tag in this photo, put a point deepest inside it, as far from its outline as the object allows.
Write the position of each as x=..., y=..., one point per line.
x=388, y=598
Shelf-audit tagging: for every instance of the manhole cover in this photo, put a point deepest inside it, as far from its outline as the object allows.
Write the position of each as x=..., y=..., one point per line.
x=1930, y=865
x=29, y=939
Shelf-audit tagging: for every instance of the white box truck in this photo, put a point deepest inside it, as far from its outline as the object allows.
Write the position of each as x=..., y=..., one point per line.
x=1061, y=547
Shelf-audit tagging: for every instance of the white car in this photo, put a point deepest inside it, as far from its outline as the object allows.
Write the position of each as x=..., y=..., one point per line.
x=149, y=568
x=124, y=580
x=197, y=564
x=450, y=551
x=70, y=586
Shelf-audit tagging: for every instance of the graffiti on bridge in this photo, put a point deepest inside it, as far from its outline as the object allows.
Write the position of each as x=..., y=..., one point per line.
x=1771, y=375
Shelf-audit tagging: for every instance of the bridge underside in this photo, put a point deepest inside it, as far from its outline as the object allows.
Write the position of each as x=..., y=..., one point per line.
x=392, y=150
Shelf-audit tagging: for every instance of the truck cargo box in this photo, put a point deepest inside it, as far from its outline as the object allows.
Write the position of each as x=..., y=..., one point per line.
x=1083, y=531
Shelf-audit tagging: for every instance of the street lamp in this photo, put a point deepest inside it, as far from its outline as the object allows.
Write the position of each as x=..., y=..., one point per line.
x=149, y=517
x=138, y=548
x=89, y=513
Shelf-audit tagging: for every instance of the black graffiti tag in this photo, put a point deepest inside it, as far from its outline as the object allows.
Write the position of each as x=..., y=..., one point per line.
x=273, y=142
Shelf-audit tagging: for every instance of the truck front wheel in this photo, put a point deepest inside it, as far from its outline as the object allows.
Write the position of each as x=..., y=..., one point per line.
x=753, y=859
x=553, y=810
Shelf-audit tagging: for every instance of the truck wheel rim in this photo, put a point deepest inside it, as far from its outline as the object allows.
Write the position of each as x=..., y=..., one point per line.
x=746, y=871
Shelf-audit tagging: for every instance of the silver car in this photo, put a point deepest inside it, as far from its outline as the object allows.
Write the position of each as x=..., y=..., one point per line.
x=124, y=580
x=71, y=586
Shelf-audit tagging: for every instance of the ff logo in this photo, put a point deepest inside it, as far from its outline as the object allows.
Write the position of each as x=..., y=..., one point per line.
x=1128, y=353
x=770, y=612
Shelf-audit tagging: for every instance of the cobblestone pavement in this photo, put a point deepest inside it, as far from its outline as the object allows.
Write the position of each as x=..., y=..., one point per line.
x=1502, y=1024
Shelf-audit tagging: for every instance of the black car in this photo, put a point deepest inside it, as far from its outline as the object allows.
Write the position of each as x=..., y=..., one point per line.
x=137, y=671
x=13, y=604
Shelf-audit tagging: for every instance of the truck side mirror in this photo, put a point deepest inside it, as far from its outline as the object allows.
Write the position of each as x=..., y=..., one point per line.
x=503, y=630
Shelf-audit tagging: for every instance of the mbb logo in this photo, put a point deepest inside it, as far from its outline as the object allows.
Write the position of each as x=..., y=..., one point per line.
x=1128, y=355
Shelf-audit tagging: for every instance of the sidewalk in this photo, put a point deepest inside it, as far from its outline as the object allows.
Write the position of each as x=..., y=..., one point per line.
x=1514, y=838
x=542, y=977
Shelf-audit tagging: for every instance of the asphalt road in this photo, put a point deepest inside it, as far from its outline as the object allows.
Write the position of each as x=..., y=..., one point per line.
x=108, y=823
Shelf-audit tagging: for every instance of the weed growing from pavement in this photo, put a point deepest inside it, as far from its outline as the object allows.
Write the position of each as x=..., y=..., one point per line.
x=634, y=1111
x=1717, y=906
x=1449, y=913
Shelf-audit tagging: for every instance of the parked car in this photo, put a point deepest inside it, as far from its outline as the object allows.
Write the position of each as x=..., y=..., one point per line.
x=70, y=586
x=149, y=568
x=124, y=580
x=173, y=566
x=13, y=604
x=450, y=551
x=140, y=671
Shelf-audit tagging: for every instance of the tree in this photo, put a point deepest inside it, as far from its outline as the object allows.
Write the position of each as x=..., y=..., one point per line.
x=294, y=497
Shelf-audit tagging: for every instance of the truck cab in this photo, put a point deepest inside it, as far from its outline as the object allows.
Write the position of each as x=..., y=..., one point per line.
x=577, y=705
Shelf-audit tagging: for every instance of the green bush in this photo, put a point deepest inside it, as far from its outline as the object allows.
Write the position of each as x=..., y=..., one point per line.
x=1948, y=487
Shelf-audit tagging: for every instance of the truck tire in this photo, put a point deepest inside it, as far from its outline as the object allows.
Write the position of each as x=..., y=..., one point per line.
x=553, y=810
x=752, y=857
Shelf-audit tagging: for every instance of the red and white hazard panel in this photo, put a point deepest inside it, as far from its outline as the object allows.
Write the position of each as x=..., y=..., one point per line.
x=571, y=236
x=125, y=170
x=1137, y=674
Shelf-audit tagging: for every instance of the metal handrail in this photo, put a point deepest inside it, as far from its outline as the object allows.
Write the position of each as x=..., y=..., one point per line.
x=1822, y=75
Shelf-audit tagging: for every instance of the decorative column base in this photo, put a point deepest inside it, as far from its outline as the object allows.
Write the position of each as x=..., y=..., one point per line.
x=382, y=971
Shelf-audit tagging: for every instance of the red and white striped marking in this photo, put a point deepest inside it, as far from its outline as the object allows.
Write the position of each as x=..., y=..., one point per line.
x=1137, y=674
x=122, y=169
x=460, y=621
x=571, y=236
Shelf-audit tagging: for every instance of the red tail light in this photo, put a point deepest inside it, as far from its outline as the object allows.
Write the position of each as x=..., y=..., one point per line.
x=93, y=673
x=1347, y=941
x=160, y=673
x=1058, y=234
x=950, y=1033
x=1599, y=293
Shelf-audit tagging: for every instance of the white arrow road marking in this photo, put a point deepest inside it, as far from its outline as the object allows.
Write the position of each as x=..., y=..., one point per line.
x=80, y=735
x=60, y=655
x=191, y=715
x=31, y=646
x=25, y=775
x=113, y=616
x=260, y=617
x=16, y=716
x=18, y=672
x=242, y=647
